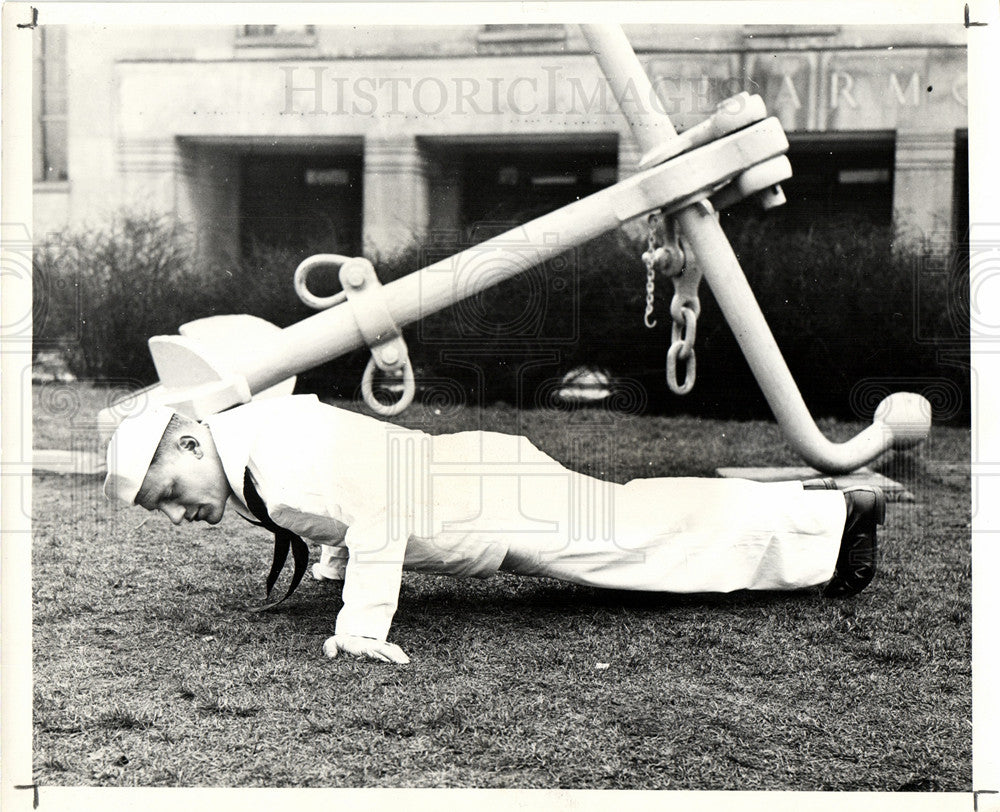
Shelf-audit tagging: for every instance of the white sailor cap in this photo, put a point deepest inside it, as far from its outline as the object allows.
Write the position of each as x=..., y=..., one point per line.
x=131, y=451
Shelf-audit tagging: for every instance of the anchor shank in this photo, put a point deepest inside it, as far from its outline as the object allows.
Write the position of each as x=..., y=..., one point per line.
x=333, y=332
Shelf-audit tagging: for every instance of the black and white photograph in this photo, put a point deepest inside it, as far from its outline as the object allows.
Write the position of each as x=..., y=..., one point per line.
x=544, y=398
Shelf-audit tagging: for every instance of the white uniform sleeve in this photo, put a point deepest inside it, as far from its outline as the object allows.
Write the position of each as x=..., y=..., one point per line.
x=371, y=579
x=328, y=473
x=333, y=561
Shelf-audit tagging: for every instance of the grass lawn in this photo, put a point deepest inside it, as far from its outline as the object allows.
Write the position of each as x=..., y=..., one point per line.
x=149, y=671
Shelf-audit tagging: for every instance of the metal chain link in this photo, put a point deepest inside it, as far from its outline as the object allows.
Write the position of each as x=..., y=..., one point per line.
x=649, y=258
x=682, y=348
x=685, y=308
x=391, y=409
x=650, y=284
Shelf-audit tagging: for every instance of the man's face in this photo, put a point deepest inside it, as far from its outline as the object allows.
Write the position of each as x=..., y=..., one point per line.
x=187, y=484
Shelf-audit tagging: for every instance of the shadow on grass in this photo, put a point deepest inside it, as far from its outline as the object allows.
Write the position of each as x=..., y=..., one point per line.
x=515, y=602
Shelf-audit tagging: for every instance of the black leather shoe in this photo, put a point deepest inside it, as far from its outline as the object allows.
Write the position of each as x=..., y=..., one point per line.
x=825, y=484
x=859, y=544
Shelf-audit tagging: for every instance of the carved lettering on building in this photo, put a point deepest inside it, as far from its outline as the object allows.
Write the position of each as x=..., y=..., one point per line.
x=789, y=93
x=841, y=87
x=912, y=91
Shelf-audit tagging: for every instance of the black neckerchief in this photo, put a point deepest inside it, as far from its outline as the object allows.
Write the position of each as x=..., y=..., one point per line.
x=283, y=539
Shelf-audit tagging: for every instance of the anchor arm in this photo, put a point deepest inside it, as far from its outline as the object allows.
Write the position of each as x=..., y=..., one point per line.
x=901, y=420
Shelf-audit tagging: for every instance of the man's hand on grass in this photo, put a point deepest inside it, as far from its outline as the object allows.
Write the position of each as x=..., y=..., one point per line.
x=364, y=647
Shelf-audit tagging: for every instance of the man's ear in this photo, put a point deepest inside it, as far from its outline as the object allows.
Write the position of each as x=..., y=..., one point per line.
x=189, y=443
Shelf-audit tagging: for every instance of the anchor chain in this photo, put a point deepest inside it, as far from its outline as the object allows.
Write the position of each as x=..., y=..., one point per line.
x=663, y=255
x=667, y=254
x=650, y=289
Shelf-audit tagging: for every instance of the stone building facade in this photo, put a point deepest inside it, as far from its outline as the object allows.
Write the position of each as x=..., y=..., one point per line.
x=365, y=139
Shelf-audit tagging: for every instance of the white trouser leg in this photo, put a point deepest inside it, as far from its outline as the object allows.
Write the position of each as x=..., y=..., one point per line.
x=682, y=534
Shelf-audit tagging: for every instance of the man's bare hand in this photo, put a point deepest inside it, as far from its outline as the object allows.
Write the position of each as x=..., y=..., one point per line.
x=364, y=647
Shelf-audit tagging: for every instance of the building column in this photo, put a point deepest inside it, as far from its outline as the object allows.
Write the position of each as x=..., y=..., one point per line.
x=395, y=195
x=146, y=168
x=197, y=185
x=923, y=190
x=208, y=198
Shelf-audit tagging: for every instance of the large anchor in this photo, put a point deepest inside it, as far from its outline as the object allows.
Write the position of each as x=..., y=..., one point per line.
x=222, y=361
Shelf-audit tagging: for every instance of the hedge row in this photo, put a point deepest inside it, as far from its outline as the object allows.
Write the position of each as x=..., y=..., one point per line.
x=854, y=317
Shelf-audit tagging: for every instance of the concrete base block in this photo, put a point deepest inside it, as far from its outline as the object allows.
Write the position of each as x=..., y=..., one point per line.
x=894, y=491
